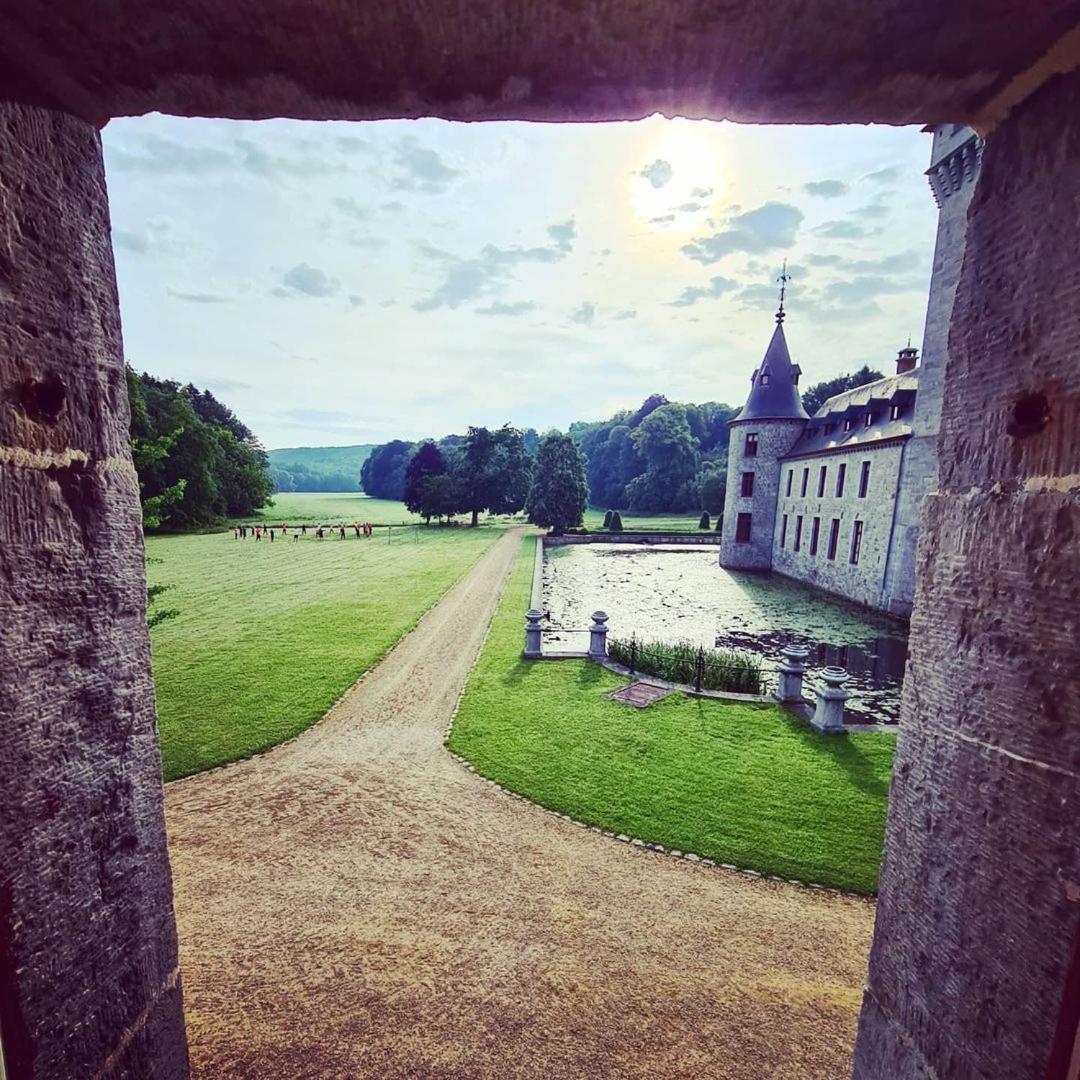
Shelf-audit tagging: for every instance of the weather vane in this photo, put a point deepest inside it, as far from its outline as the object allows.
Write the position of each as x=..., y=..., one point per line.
x=784, y=278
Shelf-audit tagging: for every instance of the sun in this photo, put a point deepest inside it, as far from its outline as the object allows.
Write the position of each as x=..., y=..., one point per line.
x=694, y=151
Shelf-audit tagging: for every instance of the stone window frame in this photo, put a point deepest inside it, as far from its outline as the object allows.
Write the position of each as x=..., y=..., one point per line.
x=790, y=478
x=744, y=524
x=822, y=476
x=783, y=531
x=841, y=476
x=856, y=542
x=797, y=546
x=815, y=535
x=834, y=539
x=751, y=445
x=746, y=485
x=864, y=479
x=805, y=482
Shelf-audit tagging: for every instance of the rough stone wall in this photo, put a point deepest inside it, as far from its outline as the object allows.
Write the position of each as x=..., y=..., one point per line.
x=954, y=153
x=89, y=984
x=863, y=582
x=980, y=888
x=775, y=438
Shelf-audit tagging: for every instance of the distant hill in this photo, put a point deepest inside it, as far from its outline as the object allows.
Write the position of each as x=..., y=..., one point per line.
x=318, y=468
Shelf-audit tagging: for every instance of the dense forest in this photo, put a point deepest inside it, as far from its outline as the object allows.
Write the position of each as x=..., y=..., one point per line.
x=318, y=468
x=664, y=456
x=197, y=462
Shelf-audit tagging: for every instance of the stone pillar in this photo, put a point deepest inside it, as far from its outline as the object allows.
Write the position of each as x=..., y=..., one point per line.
x=829, y=712
x=533, y=637
x=789, y=686
x=979, y=905
x=598, y=635
x=89, y=982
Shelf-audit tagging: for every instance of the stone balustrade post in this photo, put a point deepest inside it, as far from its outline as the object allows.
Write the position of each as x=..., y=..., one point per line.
x=533, y=643
x=598, y=636
x=829, y=714
x=790, y=684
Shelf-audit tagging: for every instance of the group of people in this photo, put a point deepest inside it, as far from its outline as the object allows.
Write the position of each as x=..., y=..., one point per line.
x=257, y=532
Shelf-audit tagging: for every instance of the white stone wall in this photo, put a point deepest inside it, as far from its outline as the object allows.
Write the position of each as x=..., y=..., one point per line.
x=954, y=187
x=863, y=582
x=775, y=438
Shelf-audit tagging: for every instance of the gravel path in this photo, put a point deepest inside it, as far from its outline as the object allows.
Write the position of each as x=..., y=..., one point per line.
x=355, y=904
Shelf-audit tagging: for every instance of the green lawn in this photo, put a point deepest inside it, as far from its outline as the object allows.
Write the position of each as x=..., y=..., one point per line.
x=742, y=784
x=348, y=506
x=594, y=519
x=270, y=635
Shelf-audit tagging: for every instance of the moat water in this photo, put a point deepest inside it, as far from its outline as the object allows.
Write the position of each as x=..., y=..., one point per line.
x=669, y=593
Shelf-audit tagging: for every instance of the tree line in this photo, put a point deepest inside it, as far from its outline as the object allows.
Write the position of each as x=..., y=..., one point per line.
x=197, y=462
x=662, y=457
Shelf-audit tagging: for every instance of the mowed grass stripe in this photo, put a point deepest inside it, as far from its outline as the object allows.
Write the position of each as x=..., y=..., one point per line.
x=743, y=784
x=269, y=635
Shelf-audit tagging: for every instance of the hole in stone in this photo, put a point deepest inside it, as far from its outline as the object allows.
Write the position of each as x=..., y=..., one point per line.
x=42, y=400
x=1030, y=415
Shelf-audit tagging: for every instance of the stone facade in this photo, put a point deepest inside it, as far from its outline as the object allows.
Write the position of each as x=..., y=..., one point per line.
x=774, y=439
x=954, y=168
x=862, y=581
x=89, y=982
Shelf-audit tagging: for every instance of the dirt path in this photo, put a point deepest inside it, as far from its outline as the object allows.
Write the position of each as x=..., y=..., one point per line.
x=355, y=904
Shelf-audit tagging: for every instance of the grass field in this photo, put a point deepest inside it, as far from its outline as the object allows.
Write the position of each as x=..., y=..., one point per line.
x=270, y=635
x=318, y=506
x=742, y=784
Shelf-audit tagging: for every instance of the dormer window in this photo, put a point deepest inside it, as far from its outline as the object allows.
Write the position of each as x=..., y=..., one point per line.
x=764, y=378
x=848, y=424
x=830, y=428
x=894, y=412
x=869, y=419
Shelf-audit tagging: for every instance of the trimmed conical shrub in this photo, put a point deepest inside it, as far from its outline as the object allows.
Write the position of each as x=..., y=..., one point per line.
x=719, y=522
x=615, y=525
x=607, y=520
x=704, y=523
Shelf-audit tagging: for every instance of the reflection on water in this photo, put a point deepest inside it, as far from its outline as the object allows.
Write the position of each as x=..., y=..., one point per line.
x=681, y=593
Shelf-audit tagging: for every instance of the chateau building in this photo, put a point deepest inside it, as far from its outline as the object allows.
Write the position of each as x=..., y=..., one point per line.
x=833, y=499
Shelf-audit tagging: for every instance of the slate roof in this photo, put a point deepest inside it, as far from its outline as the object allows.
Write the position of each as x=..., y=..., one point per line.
x=825, y=431
x=774, y=386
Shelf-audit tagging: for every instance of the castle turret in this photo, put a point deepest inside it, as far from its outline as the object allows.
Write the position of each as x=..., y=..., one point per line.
x=766, y=429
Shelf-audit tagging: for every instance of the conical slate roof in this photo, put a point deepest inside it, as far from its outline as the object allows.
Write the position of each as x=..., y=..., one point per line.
x=774, y=387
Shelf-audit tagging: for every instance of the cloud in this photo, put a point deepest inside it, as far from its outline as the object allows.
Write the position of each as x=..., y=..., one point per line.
x=701, y=193
x=841, y=230
x=350, y=144
x=584, y=314
x=355, y=301
x=497, y=307
x=886, y=175
x=827, y=189
x=658, y=173
x=872, y=211
x=487, y=274
x=690, y=208
x=628, y=313
x=421, y=169
x=309, y=280
x=394, y=206
x=564, y=234
x=758, y=296
x=349, y=206
x=156, y=154
x=692, y=294
x=773, y=225
x=861, y=289
x=198, y=297
x=663, y=219
x=131, y=241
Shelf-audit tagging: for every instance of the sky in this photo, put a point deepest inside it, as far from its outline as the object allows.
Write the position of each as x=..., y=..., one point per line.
x=339, y=283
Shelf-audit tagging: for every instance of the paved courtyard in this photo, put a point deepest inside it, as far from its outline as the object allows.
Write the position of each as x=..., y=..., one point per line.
x=356, y=904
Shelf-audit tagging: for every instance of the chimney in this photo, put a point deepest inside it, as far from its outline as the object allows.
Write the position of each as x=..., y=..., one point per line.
x=906, y=360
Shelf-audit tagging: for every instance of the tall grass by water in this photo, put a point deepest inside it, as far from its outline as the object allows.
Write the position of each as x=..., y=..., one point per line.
x=683, y=662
